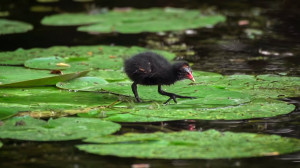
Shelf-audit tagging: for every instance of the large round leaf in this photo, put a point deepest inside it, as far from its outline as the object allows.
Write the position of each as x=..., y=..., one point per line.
x=55, y=63
x=78, y=57
x=61, y=129
x=83, y=83
x=261, y=86
x=209, y=144
x=50, y=101
x=136, y=20
x=192, y=110
x=11, y=27
x=22, y=77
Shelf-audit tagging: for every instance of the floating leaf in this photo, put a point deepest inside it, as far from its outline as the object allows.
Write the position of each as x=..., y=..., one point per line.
x=136, y=20
x=50, y=101
x=7, y=112
x=111, y=76
x=78, y=57
x=83, y=83
x=261, y=86
x=209, y=144
x=11, y=27
x=191, y=109
x=22, y=77
x=46, y=63
x=61, y=129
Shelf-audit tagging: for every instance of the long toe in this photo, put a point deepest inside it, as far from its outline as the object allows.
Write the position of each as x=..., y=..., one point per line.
x=166, y=102
x=174, y=98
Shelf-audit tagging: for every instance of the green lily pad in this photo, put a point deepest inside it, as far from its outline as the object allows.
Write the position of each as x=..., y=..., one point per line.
x=209, y=144
x=79, y=57
x=83, y=83
x=111, y=76
x=50, y=101
x=136, y=20
x=207, y=95
x=258, y=108
x=22, y=77
x=52, y=63
x=61, y=129
x=261, y=86
x=12, y=27
x=7, y=112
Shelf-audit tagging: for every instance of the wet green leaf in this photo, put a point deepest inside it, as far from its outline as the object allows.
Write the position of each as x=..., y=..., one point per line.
x=83, y=83
x=111, y=76
x=11, y=27
x=61, y=129
x=261, y=86
x=191, y=109
x=136, y=20
x=79, y=57
x=51, y=63
x=22, y=77
x=50, y=101
x=209, y=144
x=7, y=112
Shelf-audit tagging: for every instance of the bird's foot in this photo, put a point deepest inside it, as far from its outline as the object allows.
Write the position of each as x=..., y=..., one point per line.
x=138, y=100
x=174, y=96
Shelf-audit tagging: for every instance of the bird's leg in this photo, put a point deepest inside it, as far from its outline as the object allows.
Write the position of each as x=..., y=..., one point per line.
x=172, y=95
x=134, y=90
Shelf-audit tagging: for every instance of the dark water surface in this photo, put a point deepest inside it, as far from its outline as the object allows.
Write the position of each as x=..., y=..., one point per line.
x=225, y=49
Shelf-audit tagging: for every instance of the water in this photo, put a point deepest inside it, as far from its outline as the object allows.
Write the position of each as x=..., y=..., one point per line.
x=225, y=49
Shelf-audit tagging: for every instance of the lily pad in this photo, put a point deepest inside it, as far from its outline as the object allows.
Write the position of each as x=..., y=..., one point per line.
x=192, y=110
x=136, y=20
x=22, y=77
x=49, y=101
x=12, y=27
x=52, y=63
x=7, y=112
x=78, y=57
x=61, y=129
x=209, y=144
x=83, y=83
x=261, y=86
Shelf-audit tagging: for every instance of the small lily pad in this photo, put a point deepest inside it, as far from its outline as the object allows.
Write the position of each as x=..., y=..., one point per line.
x=51, y=63
x=61, y=129
x=209, y=144
x=136, y=20
x=12, y=27
x=23, y=77
x=78, y=57
x=83, y=83
x=50, y=102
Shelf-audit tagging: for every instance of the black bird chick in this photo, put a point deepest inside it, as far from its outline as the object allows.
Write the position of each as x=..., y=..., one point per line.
x=149, y=68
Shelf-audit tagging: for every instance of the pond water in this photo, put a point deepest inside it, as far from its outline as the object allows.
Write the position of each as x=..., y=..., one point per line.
x=227, y=48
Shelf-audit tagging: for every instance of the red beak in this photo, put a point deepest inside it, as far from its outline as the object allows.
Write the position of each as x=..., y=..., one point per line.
x=189, y=75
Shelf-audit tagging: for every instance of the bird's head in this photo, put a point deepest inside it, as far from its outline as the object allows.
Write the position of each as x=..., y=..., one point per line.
x=183, y=71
